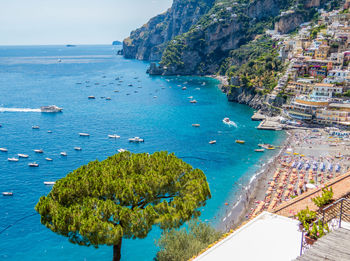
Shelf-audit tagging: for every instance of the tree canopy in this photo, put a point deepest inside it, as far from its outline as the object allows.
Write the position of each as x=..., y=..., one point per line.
x=123, y=197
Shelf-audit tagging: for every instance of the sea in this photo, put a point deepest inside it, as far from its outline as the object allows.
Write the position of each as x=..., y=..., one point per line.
x=155, y=108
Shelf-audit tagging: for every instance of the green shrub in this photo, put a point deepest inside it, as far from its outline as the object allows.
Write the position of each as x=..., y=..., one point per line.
x=316, y=230
x=182, y=244
x=325, y=198
x=306, y=216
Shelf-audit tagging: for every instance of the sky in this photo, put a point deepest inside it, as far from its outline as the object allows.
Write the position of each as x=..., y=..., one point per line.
x=42, y=22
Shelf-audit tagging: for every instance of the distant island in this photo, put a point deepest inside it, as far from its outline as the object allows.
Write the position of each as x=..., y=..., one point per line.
x=70, y=45
x=117, y=43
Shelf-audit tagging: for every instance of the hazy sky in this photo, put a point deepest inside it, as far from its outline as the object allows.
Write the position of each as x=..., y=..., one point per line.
x=28, y=22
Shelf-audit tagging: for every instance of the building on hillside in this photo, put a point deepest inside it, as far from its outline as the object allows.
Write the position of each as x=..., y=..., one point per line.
x=326, y=90
x=299, y=88
x=322, y=52
x=304, y=107
x=335, y=113
x=337, y=76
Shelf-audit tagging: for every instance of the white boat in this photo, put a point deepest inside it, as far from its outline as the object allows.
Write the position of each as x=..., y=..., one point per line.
x=196, y=125
x=226, y=120
x=113, y=136
x=190, y=97
x=7, y=193
x=23, y=155
x=33, y=164
x=184, y=88
x=84, y=134
x=49, y=183
x=193, y=101
x=121, y=150
x=12, y=159
x=51, y=108
x=155, y=97
x=91, y=97
x=49, y=131
x=259, y=150
x=39, y=151
x=136, y=139
x=108, y=98
x=35, y=127
x=212, y=142
x=63, y=153
x=77, y=148
x=3, y=149
x=48, y=159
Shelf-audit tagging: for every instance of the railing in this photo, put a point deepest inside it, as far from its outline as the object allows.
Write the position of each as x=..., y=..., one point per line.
x=333, y=215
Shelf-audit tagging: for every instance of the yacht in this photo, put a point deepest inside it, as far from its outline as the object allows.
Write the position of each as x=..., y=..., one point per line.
x=84, y=134
x=35, y=127
x=39, y=151
x=108, y=98
x=136, y=140
x=51, y=108
x=63, y=153
x=121, y=150
x=3, y=149
x=226, y=120
x=240, y=141
x=22, y=155
x=48, y=159
x=7, y=193
x=212, y=142
x=113, y=136
x=91, y=97
x=33, y=164
x=49, y=183
x=77, y=148
x=196, y=125
x=12, y=159
x=184, y=88
x=193, y=101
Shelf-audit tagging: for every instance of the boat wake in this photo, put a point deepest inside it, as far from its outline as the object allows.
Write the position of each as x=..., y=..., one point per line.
x=231, y=123
x=18, y=110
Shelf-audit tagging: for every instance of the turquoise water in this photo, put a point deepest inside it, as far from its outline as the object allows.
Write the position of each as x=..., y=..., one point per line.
x=31, y=77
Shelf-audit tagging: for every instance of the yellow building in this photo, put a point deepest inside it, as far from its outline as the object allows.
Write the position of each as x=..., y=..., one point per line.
x=322, y=52
x=299, y=88
x=334, y=114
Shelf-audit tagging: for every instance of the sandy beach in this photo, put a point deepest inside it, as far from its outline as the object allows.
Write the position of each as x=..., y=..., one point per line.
x=307, y=158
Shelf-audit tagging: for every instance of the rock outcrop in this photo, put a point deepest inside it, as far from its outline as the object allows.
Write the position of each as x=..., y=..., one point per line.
x=288, y=23
x=149, y=41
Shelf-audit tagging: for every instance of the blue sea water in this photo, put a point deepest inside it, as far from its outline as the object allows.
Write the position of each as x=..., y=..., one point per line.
x=159, y=112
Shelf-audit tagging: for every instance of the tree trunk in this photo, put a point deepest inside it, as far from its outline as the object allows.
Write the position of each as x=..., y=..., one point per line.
x=116, y=251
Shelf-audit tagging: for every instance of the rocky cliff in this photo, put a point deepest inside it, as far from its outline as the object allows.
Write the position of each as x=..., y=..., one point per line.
x=149, y=41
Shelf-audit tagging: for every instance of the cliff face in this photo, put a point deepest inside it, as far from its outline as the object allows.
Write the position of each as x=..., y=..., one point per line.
x=149, y=41
x=225, y=27
x=288, y=23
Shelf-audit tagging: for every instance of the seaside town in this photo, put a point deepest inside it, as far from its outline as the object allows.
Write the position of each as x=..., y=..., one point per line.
x=315, y=155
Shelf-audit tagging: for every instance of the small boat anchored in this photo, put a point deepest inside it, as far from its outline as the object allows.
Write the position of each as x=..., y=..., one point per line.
x=33, y=165
x=48, y=159
x=91, y=97
x=212, y=142
x=63, y=153
x=12, y=159
x=35, y=127
x=77, y=148
x=6, y=193
x=49, y=183
x=121, y=150
x=23, y=155
x=82, y=134
x=39, y=151
x=136, y=140
x=196, y=125
x=240, y=141
x=113, y=136
x=259, y=150
x=193, y=101
x=3, y=150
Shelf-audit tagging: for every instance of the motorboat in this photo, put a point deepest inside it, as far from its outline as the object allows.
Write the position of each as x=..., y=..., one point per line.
x=129, y=84
x=12, y=159
x=240, y=141
x=77, y=148
x=23, y=155
x=51, y=108
x=84, y=134
x=113, y=136
x=190, y=97
x=49, y=131
x=226, y=120
x=48, y=159
x=121, y=150
x=212, y=142
x=184, y=88
x=7, y=193
x=108, y=98
x=63, y=153
x=35, y=127
x=116, y=90
x=33, y=164
x=155, y=97
x=49, y=183
x=3, y=150
x=259, y=150
x=39, y=151
x=91, y=97
x=136, y=140
x=193, y=101
x=196, y=125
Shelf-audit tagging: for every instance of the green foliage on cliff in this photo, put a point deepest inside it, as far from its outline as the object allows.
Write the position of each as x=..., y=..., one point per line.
x=173, y=52
x=183, y=244
x=256, y=64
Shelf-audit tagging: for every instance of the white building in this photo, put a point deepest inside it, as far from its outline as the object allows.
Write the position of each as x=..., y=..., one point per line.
x=324, y=90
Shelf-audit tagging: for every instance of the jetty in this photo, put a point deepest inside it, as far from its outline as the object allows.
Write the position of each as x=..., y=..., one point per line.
x=270, y=123
x=258, y=116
